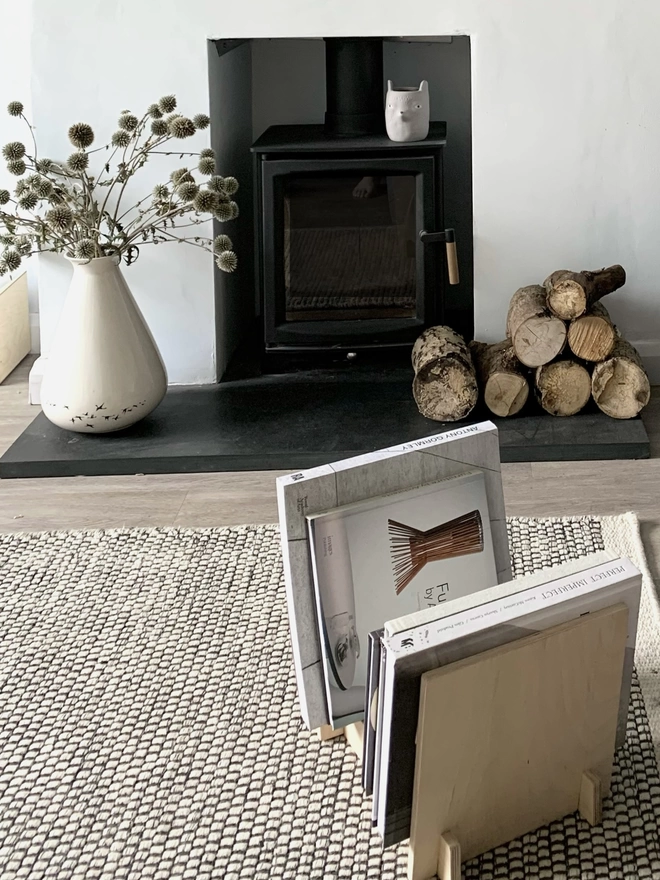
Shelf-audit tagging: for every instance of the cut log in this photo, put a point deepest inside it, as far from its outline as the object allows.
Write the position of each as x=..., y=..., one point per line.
x=571, y=294
x=620, y=385
x=592, y=337
x=537, y=335
x=445, y=383
x=563, y=388
x=501, y=376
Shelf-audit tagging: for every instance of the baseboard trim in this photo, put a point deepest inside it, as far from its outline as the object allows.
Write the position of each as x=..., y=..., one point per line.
x=34, y=381
x=650, y=354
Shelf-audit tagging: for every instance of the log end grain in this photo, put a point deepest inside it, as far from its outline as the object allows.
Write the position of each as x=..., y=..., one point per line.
x=563, y=388
x=567, y=300
x=539, y=340
x=592, y=337
x=446, y=393
x=505, y=394
x=620, y=388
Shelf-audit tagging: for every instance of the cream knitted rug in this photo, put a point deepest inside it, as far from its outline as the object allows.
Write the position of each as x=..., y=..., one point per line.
x=149, y=725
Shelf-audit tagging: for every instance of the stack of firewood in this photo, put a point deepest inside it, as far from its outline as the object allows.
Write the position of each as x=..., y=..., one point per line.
x=561, y=342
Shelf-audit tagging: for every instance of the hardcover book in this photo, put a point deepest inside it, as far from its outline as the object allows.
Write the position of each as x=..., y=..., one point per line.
x=390, y=555
x=409, y=466
x=470, y=626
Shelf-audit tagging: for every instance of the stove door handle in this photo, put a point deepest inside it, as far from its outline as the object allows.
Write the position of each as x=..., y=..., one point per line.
x=449, y=237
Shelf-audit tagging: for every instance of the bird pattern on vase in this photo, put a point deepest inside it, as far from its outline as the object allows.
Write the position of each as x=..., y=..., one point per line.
x=101, y=414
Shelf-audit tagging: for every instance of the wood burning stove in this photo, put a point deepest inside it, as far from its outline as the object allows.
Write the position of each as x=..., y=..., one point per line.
x=342, y=261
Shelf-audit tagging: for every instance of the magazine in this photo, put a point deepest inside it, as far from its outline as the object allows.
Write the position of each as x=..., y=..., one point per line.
x=400, y=468
x=388, y=556
x=371, y=710
x=502, y=615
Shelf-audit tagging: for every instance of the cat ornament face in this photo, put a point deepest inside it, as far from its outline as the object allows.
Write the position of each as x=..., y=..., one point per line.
x=407, y=112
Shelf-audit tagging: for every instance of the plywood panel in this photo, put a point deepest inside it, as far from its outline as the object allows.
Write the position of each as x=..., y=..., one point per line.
x=15, y=340
x=504, y=737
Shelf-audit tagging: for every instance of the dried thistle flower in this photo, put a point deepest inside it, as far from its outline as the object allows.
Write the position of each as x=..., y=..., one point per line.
x=205, y=201
x=31, y=179
x=85, y=249
x=167, y=103
x=201, y=121
x=28, y=200
x=206, y=165
x=159, y=127
x=222, y=243
x=60, y=218
x=161, y=192
x=181, y=127
x=43, y=187
x=21, y=187
x=24, y=245
x=3, y=267
x=44, y=166
x=81, y=135
x=57, y=196
x=153, y=110
x=78, y=162
x=230, y=186
x=179, y=175
x=13, y=151
x=187, y=190
x=227, y=261
x=223, y=212
x=12, y=260
x=207, y=153
x=15, y=108
x=216, y=184
x=234, y=210
x=120, y=138
x=16, y=167
x=128, y=122
x=4, y=196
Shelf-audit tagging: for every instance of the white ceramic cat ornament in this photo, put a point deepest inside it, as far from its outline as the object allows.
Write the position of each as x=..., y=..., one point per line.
x=407, y=112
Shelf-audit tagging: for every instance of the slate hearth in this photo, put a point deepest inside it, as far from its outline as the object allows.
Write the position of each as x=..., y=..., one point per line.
x=294, y=421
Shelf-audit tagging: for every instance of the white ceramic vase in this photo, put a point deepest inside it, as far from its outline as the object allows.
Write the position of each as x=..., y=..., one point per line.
x=103, y=371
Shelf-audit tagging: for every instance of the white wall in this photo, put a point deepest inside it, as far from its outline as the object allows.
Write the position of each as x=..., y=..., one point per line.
x=566, y=134
x=15, y=59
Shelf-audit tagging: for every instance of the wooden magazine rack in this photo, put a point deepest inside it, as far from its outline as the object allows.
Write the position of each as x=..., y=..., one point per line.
x=512, y=739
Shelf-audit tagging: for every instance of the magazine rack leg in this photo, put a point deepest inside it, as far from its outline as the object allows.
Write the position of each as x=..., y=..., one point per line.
x=353, y=733
x=449, y=857
x=591, y=798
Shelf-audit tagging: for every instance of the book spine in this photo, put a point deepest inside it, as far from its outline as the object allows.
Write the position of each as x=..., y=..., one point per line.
x=391, y=451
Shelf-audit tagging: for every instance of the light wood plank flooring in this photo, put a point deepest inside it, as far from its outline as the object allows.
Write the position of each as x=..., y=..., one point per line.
x=531, y=489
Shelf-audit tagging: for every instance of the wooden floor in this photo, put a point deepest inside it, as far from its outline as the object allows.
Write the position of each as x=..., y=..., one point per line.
x=534, y=489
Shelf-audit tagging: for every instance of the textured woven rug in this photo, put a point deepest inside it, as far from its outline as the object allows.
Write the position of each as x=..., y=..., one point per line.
x=149, y=724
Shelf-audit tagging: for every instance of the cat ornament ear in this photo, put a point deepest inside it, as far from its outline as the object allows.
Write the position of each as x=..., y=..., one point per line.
x=424, y=86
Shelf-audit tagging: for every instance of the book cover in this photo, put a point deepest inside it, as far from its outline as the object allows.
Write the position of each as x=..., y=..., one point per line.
x=399, y=468
x=393, y=554
x=460, y=632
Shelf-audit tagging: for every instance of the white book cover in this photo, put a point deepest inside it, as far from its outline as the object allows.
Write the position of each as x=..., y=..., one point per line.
x=399, y=468
x=389, y=556
x=463, y=632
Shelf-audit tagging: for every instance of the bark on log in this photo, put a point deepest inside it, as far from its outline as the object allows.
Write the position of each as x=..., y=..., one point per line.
x=563, y=387
x=501, y=376
x=445, y=383
x=537, y=335
x=571, y=294
x=593, y=336
x=620, y=385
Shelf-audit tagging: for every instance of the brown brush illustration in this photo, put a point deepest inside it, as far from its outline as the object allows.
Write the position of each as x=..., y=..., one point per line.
x=412, y=548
